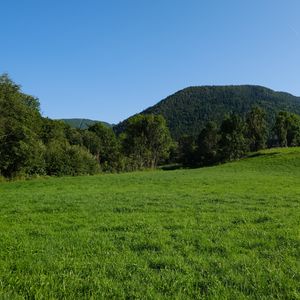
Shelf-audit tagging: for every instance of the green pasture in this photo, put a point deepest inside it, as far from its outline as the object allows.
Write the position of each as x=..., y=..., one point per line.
x=225, y=232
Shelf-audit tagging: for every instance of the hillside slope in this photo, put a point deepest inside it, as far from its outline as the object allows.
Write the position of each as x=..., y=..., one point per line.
x=188, y=110
x=83, y=123
x=224, y=232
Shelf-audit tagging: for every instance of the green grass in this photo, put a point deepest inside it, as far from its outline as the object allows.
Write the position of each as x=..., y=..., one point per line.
x=226, y=232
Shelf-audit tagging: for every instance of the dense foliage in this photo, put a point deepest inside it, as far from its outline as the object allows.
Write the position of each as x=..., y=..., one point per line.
x=32, y=145
x=146, y=140
x=237, y=136
x=19, y=131
x=256, y=131
x=188, y=110
x=287, y=128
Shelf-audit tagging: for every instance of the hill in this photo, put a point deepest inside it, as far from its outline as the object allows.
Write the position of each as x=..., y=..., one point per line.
x=83, y=123
x=225, y=232
x=188, y=110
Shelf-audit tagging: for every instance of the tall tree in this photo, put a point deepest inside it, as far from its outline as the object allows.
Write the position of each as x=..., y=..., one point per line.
x=256, y=128
x=232, y=143
x=107, y=149
x=146, y=140
x=19, y=125
x=207, y=144
x=287, y=129
x=187, y=149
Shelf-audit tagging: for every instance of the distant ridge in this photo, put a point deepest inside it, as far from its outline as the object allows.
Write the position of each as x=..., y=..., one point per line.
x=188, y=110
x=83, y=123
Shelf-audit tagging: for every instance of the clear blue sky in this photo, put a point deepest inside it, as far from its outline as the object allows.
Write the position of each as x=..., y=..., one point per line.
x=107, y=60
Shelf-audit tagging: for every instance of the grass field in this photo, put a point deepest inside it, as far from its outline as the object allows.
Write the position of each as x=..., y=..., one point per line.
x=226, y=232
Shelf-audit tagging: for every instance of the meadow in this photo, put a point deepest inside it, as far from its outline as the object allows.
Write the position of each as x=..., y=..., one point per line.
x=225, y=232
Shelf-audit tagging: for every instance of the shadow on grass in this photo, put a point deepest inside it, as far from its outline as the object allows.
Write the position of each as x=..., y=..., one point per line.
x=186, y=167
x=176, y=166
x=172, y=167
x=258, y=154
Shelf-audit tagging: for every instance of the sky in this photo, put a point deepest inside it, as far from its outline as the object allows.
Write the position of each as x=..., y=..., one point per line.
x=106, y=60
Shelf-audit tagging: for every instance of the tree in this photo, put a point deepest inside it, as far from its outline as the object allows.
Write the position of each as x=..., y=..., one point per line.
x=187, y=151
x=232, y=144
x=74, y=135
x=52, y=130
x=19, y=127
x=9, y=89
x=64, y=159
x=146, y=140
x=107, y=148
x=207, y=145
x=256, y=128
x=293, y=130
x=80, y=161
x=92, y=143
x=281, y=129
x=287, y=129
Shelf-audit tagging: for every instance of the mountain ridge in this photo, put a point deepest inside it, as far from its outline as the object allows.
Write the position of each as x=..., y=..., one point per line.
x=80, y=123
x=188, y=110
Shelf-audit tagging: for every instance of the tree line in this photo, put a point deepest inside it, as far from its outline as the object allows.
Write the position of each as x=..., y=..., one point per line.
x=237, y=136
x=32, y=145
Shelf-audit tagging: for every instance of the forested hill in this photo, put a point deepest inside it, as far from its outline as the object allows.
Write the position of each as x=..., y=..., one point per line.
x=188, y=110
x=83, y=123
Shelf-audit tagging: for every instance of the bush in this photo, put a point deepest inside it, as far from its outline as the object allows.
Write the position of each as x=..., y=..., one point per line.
x=80, y=161
x=63, y=159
